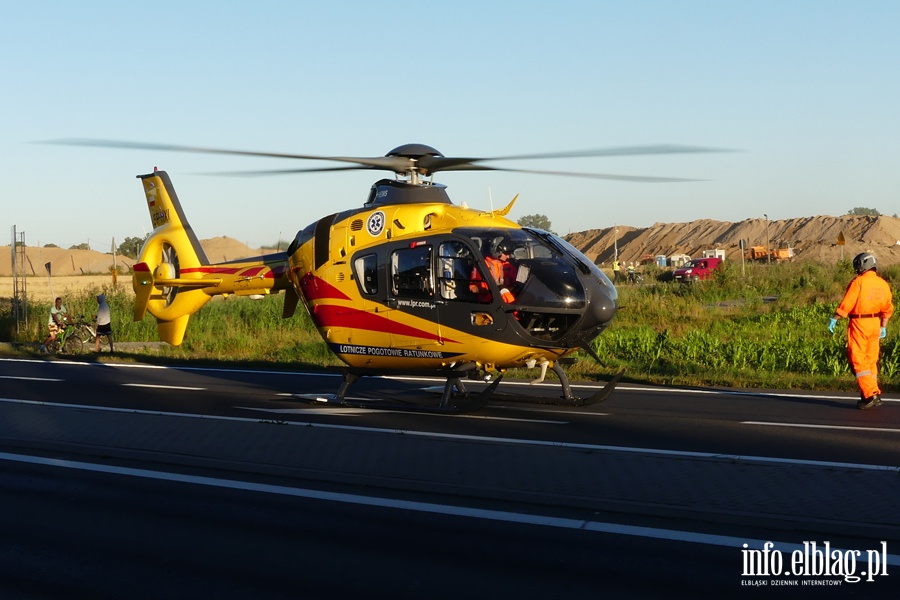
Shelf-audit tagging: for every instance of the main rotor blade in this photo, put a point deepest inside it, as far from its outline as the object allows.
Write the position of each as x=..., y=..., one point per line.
x=610, y=176
x=617, y=151
x=433, y=164
x=390, y=163
x=426, y=164
x=289, y=171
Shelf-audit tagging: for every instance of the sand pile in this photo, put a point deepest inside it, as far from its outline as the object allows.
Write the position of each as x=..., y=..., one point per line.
x=74, y=270
x=812, y=238
x=65, y=263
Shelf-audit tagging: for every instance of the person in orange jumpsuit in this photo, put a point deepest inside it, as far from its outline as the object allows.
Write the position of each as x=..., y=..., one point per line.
x=868, y=303
x=501, y=271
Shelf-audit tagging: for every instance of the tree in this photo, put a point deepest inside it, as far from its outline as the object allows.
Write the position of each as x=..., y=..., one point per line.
x=131, y=247
x=535, y=221
x=81, y=246
x=862, y=211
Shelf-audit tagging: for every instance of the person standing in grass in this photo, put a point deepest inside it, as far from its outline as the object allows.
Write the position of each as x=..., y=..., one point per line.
x=103, y=323
x=868, y=303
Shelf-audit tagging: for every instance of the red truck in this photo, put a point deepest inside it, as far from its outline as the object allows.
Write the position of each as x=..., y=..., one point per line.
x=697, y=269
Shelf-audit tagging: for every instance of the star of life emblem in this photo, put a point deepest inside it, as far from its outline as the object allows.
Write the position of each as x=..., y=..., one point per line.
x=375, y=223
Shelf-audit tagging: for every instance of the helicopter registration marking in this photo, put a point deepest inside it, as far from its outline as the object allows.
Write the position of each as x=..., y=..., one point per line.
x=160, y=217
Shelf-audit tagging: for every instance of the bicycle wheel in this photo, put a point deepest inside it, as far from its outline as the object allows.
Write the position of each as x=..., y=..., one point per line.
x=74, y=345
x=86, y=333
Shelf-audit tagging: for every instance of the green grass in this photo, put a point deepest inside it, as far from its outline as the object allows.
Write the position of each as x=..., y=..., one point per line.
x=765, y=327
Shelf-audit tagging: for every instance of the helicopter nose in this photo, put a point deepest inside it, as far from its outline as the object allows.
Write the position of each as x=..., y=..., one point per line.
x=602, y=305
x=602, y=309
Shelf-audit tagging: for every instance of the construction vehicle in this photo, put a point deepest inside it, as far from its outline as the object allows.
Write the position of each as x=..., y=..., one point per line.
x=758, y=253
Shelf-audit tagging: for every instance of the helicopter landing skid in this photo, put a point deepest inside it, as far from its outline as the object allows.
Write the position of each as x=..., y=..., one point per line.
x=601, y=395
x=455, y=398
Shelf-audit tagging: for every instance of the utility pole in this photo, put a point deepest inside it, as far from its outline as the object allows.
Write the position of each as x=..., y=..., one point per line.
x=615, y=242
x=768, y=252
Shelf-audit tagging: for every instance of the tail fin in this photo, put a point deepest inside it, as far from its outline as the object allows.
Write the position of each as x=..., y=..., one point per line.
x=173, y=279
x=166, y=211
x=167, y=278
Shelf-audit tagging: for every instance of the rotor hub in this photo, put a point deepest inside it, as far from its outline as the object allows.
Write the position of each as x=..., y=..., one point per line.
x=417, y=160
x=414, y=151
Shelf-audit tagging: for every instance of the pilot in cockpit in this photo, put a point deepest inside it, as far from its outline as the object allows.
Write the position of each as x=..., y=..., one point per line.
x=501, y=270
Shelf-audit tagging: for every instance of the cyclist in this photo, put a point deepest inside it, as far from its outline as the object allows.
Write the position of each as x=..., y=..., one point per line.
x=56, y=323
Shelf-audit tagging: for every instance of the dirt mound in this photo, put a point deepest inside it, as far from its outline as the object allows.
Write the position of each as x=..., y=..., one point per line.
x=812, y=238
x=65, y=263
x=77, y=270
x=224, y=248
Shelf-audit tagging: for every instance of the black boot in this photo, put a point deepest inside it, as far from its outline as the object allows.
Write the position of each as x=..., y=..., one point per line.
x=870, y=402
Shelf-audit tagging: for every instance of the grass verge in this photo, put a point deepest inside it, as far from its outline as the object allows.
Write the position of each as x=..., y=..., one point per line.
x=751, y=326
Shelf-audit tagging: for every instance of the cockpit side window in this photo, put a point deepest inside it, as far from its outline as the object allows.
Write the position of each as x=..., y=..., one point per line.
x=455, y=264
x=411, y=274
x=366, y=270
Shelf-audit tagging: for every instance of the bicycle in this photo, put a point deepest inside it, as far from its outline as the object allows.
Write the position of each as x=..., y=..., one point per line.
x=66, y=342
x=88, y=333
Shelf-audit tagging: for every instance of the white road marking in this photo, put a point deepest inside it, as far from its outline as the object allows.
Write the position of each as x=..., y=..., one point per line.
x=133, y=411
x=733, y=458
x=812, y=426
x=167, y=367
x=30, y=378
x=479, y=438
x=164, y=387
x=622, y=387
x=425, y=507
x=551, y=408
x=314, y=410
x=353, y=410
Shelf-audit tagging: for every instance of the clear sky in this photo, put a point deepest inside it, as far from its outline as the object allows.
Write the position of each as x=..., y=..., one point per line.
x=808, y=92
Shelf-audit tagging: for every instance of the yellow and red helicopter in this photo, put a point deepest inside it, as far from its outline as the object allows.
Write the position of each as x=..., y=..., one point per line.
x=402, y=284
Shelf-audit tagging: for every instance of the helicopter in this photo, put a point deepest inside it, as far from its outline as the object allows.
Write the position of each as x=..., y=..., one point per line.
x=405, y=283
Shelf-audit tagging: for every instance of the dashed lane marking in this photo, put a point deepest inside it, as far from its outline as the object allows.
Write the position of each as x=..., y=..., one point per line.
x=164, y=387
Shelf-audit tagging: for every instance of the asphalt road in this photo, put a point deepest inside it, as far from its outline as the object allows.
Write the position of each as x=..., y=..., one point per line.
x=137, y=481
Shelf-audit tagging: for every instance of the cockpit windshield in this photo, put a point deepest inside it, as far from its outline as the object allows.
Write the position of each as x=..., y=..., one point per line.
x=547, y=269
x=523, y=243
x=581, y=259
x=548, y=284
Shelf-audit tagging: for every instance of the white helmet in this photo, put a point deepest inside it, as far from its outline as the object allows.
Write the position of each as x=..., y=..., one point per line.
x=863, y=262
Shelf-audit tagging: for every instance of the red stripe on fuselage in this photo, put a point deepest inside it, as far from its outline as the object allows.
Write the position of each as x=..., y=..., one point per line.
x=316, y=288
x=327, y=315
x=275, y=273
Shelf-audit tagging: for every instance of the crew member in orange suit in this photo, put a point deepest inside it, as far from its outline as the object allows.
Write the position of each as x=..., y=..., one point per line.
x=501, y=271
x=868, y=303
